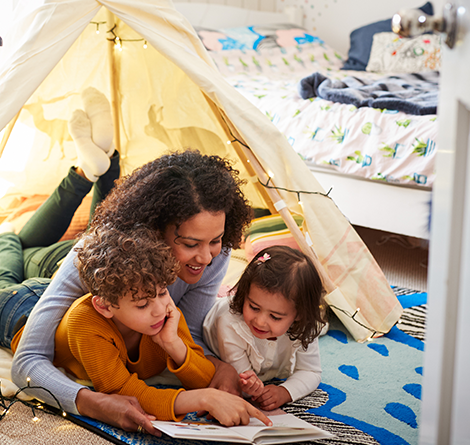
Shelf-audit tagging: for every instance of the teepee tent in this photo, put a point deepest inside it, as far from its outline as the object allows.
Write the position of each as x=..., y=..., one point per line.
x=167, y=94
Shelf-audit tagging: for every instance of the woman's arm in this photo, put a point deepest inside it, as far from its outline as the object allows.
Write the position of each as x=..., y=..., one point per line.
x=35, y=352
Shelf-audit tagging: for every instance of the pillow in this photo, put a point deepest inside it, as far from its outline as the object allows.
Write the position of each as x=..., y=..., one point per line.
x=23, y=212
x=269, y=231
x=255, y=37
x=361, y=41
x=392, y=53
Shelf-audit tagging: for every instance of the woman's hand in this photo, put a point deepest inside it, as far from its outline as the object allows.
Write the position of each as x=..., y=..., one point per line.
x=124, y=412
x=273, y=397
x=225, y=377
x=168, y=338
x=251, y=384
x=228, y=409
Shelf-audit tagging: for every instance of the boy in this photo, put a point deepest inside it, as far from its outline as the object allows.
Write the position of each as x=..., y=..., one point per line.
x=128, y=329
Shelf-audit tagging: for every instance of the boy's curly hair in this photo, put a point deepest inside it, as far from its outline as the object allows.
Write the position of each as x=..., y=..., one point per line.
x=113, y=263
x=175, y=187
x=292, y=274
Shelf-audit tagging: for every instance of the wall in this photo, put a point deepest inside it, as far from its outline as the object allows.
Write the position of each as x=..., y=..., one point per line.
x=329, y=20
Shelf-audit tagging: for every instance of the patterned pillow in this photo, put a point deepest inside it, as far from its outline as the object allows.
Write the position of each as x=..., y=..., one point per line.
x=269, y=231
x=255, y=37
x=392, y=53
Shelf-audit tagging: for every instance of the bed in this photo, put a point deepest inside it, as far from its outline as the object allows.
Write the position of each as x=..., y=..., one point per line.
x=376, y=164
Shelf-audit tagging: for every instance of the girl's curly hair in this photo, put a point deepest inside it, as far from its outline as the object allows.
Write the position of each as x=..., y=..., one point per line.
x=292, y=274
x=174, y=188
x=113, y=263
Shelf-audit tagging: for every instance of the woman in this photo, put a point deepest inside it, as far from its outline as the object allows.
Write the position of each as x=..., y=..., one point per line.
x=195, y=202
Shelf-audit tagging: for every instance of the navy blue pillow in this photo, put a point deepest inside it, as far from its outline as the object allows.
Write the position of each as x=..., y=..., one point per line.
x=361, y=41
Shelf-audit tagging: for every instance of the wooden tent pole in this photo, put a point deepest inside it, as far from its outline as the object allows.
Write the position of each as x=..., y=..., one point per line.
x=289, y=221
x=8, y=130
x=115, y=109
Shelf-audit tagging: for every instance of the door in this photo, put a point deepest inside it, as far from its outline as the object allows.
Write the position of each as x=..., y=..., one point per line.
x=445, y=415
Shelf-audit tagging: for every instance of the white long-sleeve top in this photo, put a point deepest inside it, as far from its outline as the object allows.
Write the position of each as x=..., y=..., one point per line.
x=228, y=336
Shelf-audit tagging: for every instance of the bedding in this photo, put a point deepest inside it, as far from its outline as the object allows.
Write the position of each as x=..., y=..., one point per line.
x=413, y=93
x=374, y=143
x=361, y=40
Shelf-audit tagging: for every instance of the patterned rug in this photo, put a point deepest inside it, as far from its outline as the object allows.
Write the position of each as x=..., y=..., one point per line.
x=370, y=392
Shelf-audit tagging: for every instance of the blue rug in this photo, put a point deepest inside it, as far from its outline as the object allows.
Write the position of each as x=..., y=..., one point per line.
x=370, y=392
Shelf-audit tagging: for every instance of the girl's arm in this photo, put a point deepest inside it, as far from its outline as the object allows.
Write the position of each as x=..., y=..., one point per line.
x=307, y=372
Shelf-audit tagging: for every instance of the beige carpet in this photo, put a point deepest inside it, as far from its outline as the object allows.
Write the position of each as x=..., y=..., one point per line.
x=403, y=260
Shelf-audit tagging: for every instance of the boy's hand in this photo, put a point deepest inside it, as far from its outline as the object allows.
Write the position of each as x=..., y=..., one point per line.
x=251, y=384
x=168, y=338
x=273, y=397
x=169, y=332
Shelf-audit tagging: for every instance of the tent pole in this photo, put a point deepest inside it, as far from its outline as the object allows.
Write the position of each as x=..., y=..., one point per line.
x=115, y=109
x=290, y=222
x=8, y=130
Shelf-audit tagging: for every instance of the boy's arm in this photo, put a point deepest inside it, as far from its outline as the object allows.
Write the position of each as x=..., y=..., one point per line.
x=196, y=371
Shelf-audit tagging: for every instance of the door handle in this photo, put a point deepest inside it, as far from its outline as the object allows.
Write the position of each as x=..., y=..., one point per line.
x=413, y=22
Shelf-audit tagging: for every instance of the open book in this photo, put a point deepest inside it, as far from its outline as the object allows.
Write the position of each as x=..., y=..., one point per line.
x=286, y=429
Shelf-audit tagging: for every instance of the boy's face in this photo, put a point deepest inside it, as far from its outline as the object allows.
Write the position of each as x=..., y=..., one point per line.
x=146, y=316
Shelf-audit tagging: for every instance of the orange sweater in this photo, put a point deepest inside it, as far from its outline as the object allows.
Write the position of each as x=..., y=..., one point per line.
x=90, y=347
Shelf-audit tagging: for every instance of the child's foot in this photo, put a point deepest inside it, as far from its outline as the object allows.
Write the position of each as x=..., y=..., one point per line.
x=91, y=158
x=99, y=112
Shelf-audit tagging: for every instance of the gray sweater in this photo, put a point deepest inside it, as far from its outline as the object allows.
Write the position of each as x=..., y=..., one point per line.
x=35, y=352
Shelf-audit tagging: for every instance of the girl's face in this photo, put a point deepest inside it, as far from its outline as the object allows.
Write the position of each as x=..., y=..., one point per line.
x=195, y=243
x=268, y=315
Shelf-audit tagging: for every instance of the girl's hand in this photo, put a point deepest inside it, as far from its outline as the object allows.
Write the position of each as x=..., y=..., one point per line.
x=251, y=384
x=273, y=397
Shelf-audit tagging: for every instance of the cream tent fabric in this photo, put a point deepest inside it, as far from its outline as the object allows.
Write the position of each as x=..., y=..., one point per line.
x=169, y=96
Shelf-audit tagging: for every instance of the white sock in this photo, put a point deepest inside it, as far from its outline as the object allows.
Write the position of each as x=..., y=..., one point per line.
x=99, y=112
x=91, y=158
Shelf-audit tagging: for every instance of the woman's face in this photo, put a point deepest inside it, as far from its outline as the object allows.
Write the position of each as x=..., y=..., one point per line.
x=195, y=243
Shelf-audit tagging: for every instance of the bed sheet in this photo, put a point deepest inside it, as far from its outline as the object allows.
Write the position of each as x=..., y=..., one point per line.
x=383, y=145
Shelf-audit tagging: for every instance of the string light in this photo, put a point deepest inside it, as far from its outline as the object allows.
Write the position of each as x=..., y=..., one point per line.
x=98, y=26
x=118, y=42
x=7, y=402
x=298, y=193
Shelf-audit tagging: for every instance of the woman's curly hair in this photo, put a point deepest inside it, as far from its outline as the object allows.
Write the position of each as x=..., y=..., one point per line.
x=113, y=263
x=174, y=188
x=292, y=274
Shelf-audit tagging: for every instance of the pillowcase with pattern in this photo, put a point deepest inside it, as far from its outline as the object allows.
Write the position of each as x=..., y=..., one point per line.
x=255, y=37
x=392, y=53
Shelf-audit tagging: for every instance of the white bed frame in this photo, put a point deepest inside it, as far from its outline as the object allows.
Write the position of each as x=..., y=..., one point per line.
x=392, y=208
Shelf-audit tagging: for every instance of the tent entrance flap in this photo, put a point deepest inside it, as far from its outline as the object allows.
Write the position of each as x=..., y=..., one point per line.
x=167, y=95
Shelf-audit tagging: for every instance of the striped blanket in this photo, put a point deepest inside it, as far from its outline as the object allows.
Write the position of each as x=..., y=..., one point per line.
x=414, y=93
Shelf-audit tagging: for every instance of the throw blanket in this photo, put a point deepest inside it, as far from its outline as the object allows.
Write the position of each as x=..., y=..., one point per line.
x=415, y=93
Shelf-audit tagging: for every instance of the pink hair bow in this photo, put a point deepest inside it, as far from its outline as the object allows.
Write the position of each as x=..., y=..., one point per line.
x=264, y=258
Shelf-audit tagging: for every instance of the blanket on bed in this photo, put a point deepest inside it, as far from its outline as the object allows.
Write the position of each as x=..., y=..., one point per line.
x=414, y=93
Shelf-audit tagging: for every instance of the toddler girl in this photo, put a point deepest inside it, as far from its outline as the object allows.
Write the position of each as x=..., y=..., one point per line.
x=269, y=327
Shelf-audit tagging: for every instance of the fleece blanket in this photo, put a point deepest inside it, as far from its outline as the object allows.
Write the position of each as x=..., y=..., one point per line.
x=414, y=93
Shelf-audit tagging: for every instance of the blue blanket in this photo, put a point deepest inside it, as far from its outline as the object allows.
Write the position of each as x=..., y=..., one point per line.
x=414, y=93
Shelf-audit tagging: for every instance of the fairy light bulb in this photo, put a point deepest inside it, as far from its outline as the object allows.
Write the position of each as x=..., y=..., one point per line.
x=145, y=45
x=36, y=419
x=229, y=142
